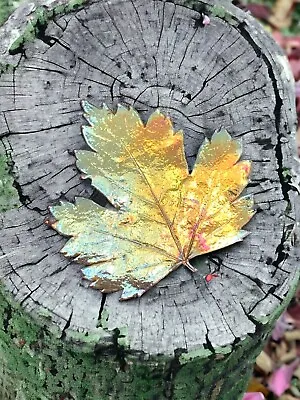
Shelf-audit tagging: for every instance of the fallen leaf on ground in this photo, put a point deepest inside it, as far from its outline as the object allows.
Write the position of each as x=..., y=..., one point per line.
x=280, y=380
x=256, y=386
x=288, y=397
x=264, y=362
x=254, y=396
x=260, y=11
x=282, y=14
x=284, y=323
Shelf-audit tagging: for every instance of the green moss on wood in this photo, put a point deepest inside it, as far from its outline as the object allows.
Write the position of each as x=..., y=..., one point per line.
x=213, y=11
x=38, y=364
x=38, y=21
x=6, y=8
x=6, y=68
x=8, y=194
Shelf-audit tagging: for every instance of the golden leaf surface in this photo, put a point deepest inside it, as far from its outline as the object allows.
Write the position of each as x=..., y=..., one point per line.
x=163, y=215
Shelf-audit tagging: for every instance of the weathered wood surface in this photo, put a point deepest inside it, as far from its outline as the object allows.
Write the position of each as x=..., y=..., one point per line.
x=150, y=54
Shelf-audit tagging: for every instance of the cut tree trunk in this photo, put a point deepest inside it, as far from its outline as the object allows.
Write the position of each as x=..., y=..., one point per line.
x=185, y=338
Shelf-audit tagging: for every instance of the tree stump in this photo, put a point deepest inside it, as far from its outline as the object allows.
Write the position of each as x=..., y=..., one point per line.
x=185, y=338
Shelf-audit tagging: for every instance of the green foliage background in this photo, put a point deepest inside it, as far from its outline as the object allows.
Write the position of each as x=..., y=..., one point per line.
x=6, y=8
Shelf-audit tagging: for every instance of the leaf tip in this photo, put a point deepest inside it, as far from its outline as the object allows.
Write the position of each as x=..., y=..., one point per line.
x=51, y=222
x=222, y=134
x=47, y=222
x=121, y=108
x=242, y=234
x=86, y=106
x=131, y=292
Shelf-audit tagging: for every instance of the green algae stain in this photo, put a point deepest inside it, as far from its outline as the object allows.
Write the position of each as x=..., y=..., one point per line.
x=219, y=11
x=38, y=22
x=215, y=11
x=6, y=8
x=8, y=194
x=37, y=365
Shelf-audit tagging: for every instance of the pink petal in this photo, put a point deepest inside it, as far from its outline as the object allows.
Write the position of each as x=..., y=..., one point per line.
x=298, y=89
x=259, y=11
x=295, y=66
x=254, y=396
x=280, y=380
x=285, y=323
x=279, y=38
x=206, y=19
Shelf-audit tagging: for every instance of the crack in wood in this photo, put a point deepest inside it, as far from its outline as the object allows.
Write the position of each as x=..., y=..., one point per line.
x=29, y=295
x=282, y=255
x=67, y=325
x=277, y=110
x=102, y=304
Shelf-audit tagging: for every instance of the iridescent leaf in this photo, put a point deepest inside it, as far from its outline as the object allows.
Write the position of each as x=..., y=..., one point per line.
x=163, y=215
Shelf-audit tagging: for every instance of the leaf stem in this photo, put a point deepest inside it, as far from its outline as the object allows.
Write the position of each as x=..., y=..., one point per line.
x=189, y=266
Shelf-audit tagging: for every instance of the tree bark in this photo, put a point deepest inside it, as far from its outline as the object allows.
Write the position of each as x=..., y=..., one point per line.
x=186, y=338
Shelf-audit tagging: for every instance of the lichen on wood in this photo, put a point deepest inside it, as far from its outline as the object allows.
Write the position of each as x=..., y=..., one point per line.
x=8, y=193
x=6, y=8
x=36, y=363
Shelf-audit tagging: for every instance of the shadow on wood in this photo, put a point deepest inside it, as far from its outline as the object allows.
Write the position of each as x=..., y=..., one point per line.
x=186, y=338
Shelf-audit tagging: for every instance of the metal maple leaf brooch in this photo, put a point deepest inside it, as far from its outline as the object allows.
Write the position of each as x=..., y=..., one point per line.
x=164, y=215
